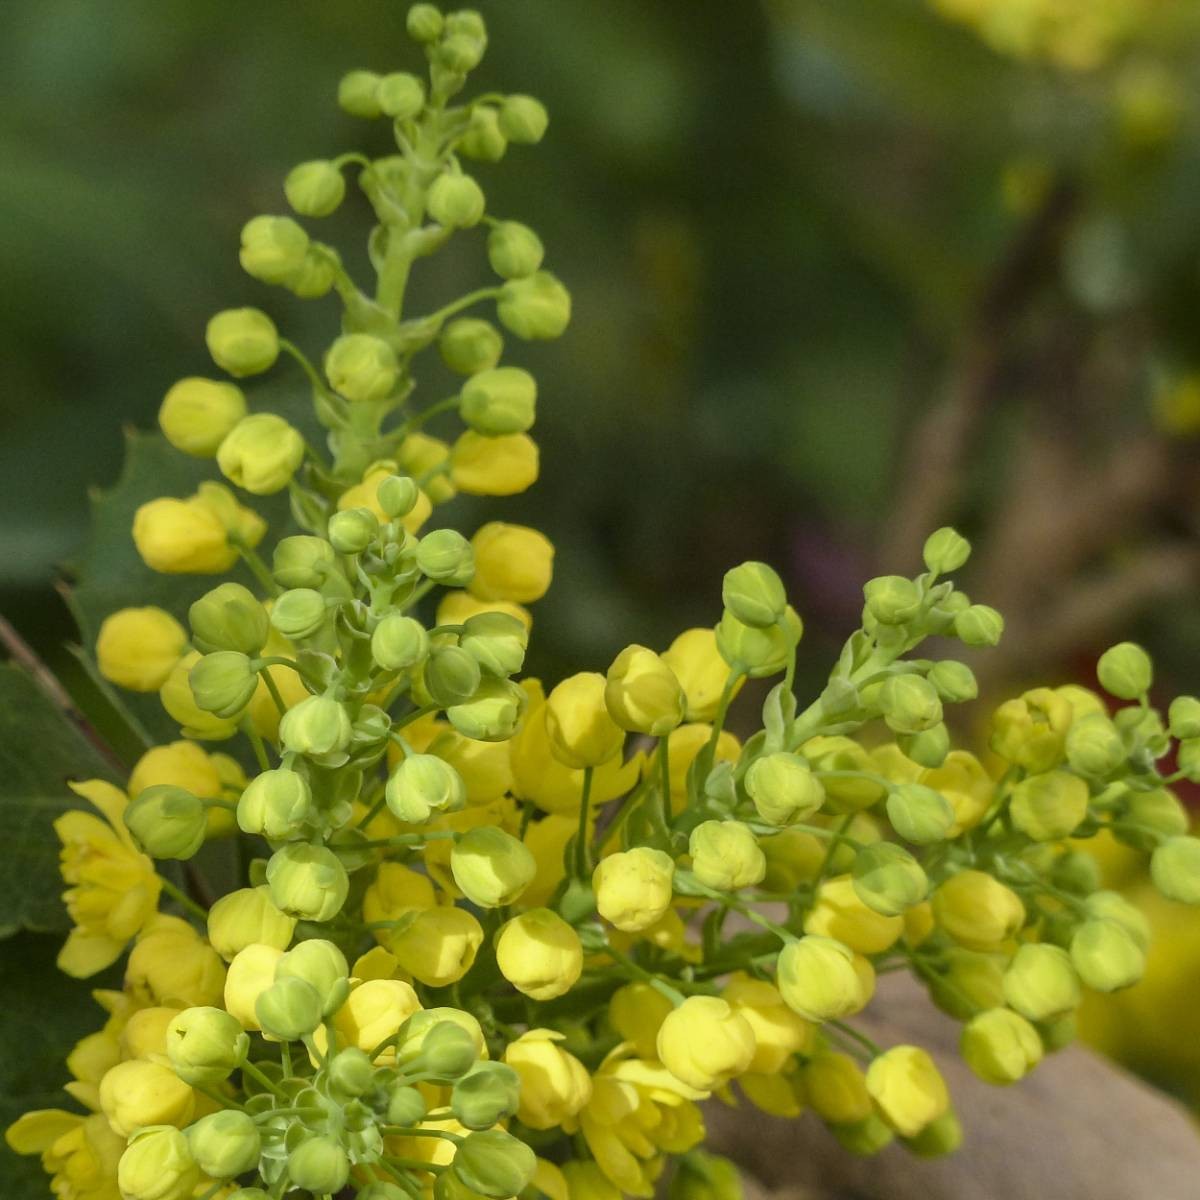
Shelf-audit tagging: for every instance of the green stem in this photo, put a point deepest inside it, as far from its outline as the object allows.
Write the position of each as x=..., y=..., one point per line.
x=260, y=749
x=709, y=753
x=664, y=767
x=640, y=972
x=582, y=856
x=273, y=688
x=861, y=1038
x=488, y=293
x=248, y=1068
x=181, y=897
x=258, y=568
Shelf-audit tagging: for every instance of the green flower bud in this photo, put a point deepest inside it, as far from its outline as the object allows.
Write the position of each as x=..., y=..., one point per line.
x=446, y=557
x=1142, y=730
x=361, y=367
x=817, y=978
x=1175, y=869
x=888, y=880
x=276, y=805
x=206, y=1045
x=424, y=24
x=225, y=1144
x=1000, y=1046
x=493, y=1163
x=400, y=95
x=315, y=189
x=758, y=652
x=247, y=917
x=1125, y=671
x=406, y=1106
x=399, y=643
x=864, y=1138
x=351, y=1072
x=229, y=617
x=500, y=401
x=783, y=788
x=523, y=119
x=492, y=713
x=910, y=704
x=703, y=1176
x=892, y=599
x=1050, y=806
x=261, y=454
x=273, y=248
x=319, y=1165
x=754, y=594
x=289, y=1009
x=315, y=275
x=451, y=676
x=954, y=681
x=927, y=748
x=1040, y=982
x=353, y=530
x=461, y=52
x=1183, y=716
x=317, y=726
x=167, y=821
x=514, y=250
x=485, y=1095
x=483, y=140
x=358, y=94
x=242, y=341
x=249, y=1193
x=938, y=1138
x=323, y=967
x=1076, y=872
x=398, y=495
x=470, y=345
x=726, y=855
x=535, y=308
x=456, y=201
x=1150, y=817
x=223, y=682
x=945, y=550
x=979, y=625
x=196, y=414
x=424, y=784
x=966, y=982
x=1094, y=745
x=919, y=814
x=1106, y=956
x=307, y=881
x=496, y=641
x=303, y=561
x=448, y=1050
x=1113, y=906
x=299, y=613
x=157, y=1165
x=1188, y=759
x=491, y=867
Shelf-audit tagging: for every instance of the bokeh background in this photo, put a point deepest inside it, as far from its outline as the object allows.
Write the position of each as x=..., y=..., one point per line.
x=844, y=270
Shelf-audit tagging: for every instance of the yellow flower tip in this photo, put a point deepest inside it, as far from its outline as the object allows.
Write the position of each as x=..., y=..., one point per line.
x=705, y=1042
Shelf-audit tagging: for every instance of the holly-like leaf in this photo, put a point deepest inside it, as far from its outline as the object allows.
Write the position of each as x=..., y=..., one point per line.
x=40, y=750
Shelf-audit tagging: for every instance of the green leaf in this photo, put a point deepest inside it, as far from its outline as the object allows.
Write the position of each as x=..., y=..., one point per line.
x=40, y=750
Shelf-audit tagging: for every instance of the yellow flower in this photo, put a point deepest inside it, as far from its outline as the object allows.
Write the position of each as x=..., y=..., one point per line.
x=633, y=887
x=642, y=692
x=539, y=954
x=963, y=780
x=172, y=964
x=493, y=466
x=80, y=1153
x=420, y=455
x=555, y=1085
x=397, y=890
x=547, y=841
x=977, y=911
x=701, y=670
x=180, y=537
x=637, y=1012
x=485, y=767
x=137, y=647
x=138, y=1093
x=705, y=1042
x=836, y=1088
x=455, y=607
x=513, y=563
x=778, y=1031
x=250, y=973
x=581, y=732
x=584, y=1180
x=373, y=1012
x=840, y=914
x=907, y=1088
x=112, y=889
x=437, y=945
x=177, y=699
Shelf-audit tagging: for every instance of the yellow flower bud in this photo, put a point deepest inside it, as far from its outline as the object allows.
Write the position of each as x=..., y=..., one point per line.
x=138, y=1093
x=778, y=1031
x=555, y=1085
x=539, y=954
x=962, y=780
x=637, y=1012
x=484, y=767
x=783, y=788
x=1107, y=955
x=581, y=732
x=977, y=911
x=182, y=537
x=840, y=913
x=512, y=563
x=373, y=1012
x=1175, y=869
x=438, y=945
x=817, y=978
x=196, y=414
x=836, y=1088
x=726, y=855
x=138, y=648
x=261, y=454
x=247, y=916
x=500, y=401
x=205, y=1045
x=633, y=887
x=157, y=1165
x=491, y=867
x=550, y=1181
x=1000, y=1046
x=251, y=972
x=1040, y=982
x=701, y=671
x=1031, y=731
x=642, y=694
x=307, y=881
x=145, y=1034
x=361, y=367
x=494, y=466
x=758, y=652
x=907, y=1088
x=705, y=1042
x=1049, y=807
x=242, y=341
x=172, y=964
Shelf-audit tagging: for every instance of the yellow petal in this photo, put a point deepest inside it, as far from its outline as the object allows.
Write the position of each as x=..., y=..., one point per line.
x=84, y=954
x=34, y=1132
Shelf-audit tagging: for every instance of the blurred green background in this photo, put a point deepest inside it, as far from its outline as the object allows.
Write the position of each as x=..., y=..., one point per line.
x=844, y=270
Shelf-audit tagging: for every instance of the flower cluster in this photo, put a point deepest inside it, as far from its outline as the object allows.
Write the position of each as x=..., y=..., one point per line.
x=499, y=940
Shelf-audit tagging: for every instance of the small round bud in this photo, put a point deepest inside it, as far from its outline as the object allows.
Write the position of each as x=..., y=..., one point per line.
x=492, y=713
x=578, y=724
x=400, y=95
x=907, y=1088
x=535, y=308
x=1000, y=1046
x=315, y=189
x=892, y=599
x=398, y=495
x=888, y=880
x=276, y=804
x=446, y=557
x=424, y=24
x=456, y=201
x=928, y=748
x=469, y=345
x=358, y=94
x=705, y=1042
x=205, y=1045
x=500, y=401
x=1125, y=671
x=225, y=1144
x=138, y=648
x=494, y=1163
x=319, y=1165
x=460, y=52
x=642, y=694
x=945, y=550
x=496, y=641
x=157, y=1164
x=273, y=249
x=955, y=682
x=223, y=682
x=1040, y=982
x=754, y=593
x=229, y=617
x=726, y=855
x=1183, y=717
x=1094, y=745
x=299, y=613
x=307, y=881
x=196, y=414
x=303, y=561
x=406, y=1106
x=248, y=917
x=261, y=454
x=818, y=979
x=399, y=643
x=758, y=652
x=448, y=1050
x=491, y=867
x=353, y=530
x=451, y=676
x=322, y=966
x=289, y=1009
x=351, y=1072
x=1050, y=806
x=919, y=814
x=523, y=119
x=1106, y=956
x=422, y=785
x=634, y=887
x=242, y=341
x=979, y=625
x=486, y=1094
x=783, y=788
x=977, y=911
x=361, y=367
x=1175, y=869
x=167, y=822
x=539, y=954
x=514, y=250
x=910, y=704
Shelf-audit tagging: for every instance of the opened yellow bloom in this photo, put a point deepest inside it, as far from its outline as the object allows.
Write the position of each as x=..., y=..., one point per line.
x=555, y=1085
x=79, y=1153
